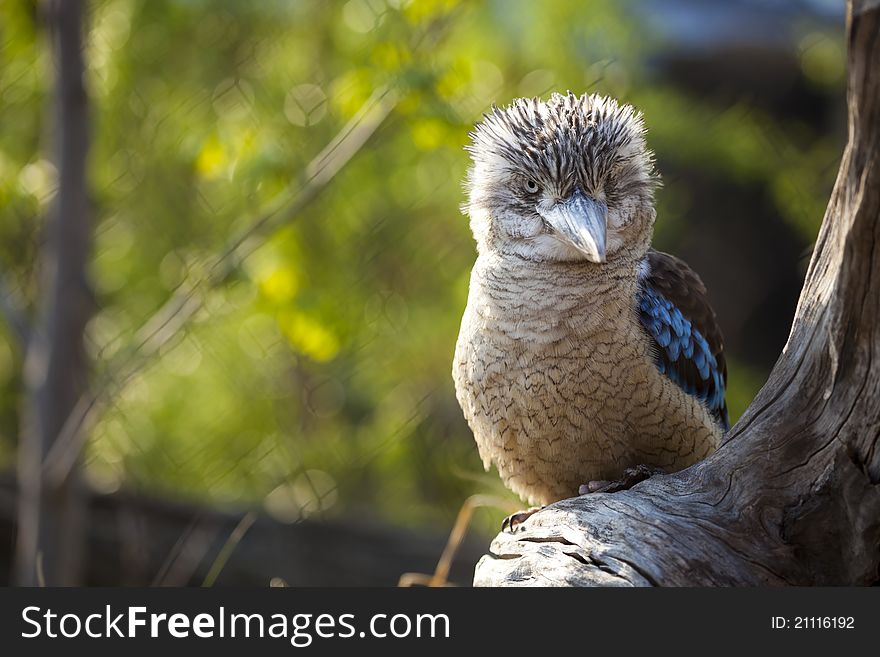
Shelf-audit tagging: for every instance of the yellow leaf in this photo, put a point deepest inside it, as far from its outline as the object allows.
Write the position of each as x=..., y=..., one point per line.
x=280, y=285
x=212, y=158
x=308, y=336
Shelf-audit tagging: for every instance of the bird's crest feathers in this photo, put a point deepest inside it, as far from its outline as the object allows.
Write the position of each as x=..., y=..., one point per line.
x=569, y=138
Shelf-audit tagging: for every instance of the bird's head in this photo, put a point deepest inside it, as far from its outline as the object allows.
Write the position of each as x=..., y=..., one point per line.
x=565, y=179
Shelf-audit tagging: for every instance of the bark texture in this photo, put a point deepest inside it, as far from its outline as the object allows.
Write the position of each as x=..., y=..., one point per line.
x=792, y=496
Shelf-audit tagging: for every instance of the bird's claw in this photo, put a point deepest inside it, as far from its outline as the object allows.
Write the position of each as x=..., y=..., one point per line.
x=511, y=522
x=631, y=477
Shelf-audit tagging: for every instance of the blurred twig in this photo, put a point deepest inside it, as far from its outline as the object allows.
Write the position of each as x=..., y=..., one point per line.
x=187, y=554
x=456, y=536
x=12, y=310
x=175, y=551
x=228, y=548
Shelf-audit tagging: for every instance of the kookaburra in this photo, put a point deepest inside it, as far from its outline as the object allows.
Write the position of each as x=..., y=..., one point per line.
x=582, y=351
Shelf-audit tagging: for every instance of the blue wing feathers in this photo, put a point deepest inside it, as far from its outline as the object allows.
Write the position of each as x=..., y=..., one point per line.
x=683, y=354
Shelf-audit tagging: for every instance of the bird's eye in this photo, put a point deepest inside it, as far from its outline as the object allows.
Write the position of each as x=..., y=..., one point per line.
x=531, y=186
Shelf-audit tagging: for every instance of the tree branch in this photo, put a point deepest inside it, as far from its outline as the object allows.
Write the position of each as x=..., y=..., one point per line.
x=50, y=538
x=792, y=495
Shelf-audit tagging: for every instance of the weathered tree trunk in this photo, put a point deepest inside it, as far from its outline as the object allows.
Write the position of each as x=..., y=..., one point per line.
x=50, y=530
x=792, y=496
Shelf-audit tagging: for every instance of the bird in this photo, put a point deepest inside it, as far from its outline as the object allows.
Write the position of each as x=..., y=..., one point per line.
x=584, y=355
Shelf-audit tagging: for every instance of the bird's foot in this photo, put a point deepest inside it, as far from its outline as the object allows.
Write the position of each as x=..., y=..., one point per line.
x=631, y=477
x=511, y=522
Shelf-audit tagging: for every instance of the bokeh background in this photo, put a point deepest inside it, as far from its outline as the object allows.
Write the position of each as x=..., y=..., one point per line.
x=299, y=422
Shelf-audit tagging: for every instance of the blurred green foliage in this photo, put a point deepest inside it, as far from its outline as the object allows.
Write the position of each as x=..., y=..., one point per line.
x=317, y=380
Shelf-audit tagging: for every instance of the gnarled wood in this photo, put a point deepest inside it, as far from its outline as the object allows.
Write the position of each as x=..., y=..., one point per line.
x=792, y=495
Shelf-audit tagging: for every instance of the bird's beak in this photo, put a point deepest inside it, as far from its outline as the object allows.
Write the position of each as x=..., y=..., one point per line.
x=580, y=221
